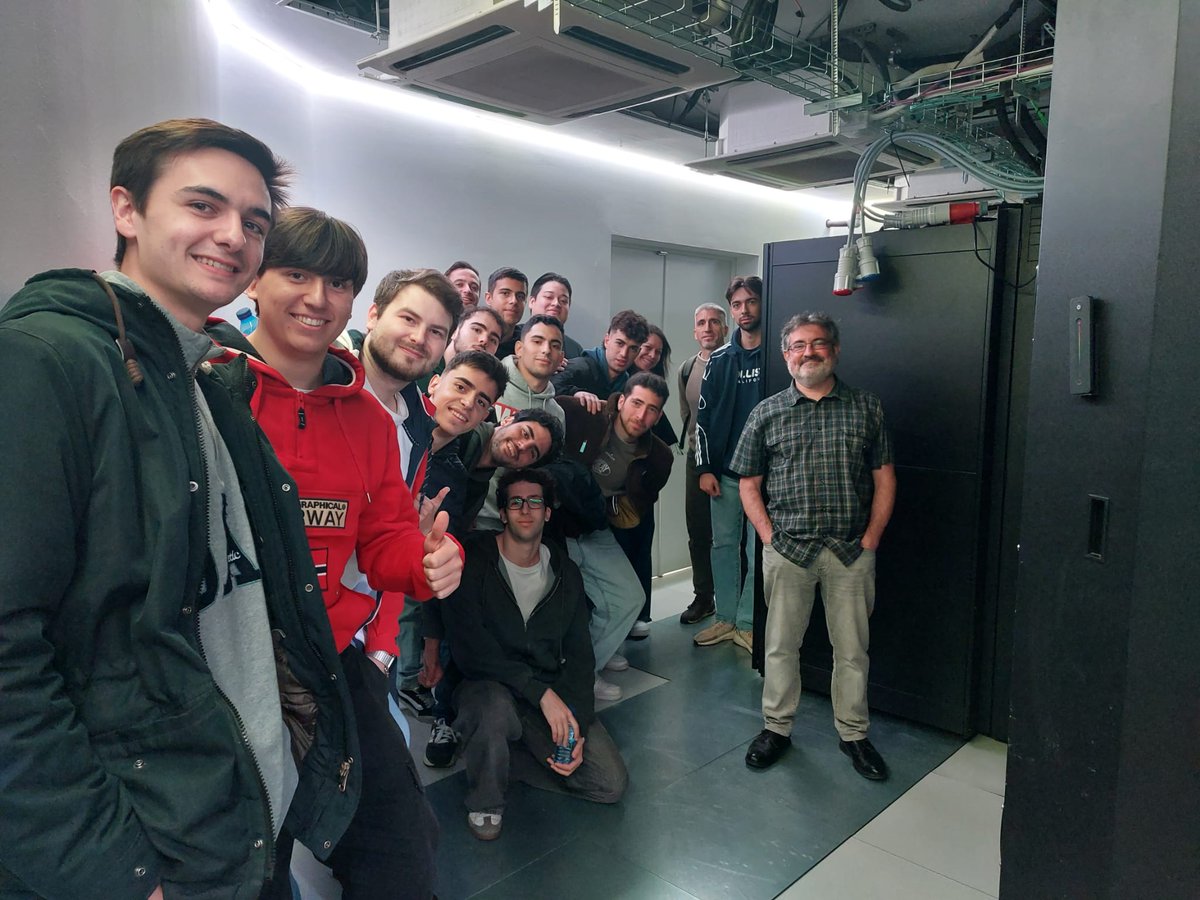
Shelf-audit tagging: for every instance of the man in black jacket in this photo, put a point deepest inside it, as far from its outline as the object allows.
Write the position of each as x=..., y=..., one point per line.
x=602, y=371
x=518, y=632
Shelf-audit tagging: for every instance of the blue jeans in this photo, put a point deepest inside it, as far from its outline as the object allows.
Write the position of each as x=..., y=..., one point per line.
x=611, y=585
x=410, y=644
x=638, y=544
x=735, y=594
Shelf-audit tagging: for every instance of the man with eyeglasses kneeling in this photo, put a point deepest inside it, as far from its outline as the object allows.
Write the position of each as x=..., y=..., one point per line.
x=522, y=656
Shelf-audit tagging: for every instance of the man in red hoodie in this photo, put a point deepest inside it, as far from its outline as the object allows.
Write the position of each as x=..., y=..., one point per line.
x=340, y=446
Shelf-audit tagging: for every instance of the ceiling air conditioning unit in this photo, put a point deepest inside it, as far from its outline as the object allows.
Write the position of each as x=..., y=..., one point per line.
x=766, y=138
x=540, y=60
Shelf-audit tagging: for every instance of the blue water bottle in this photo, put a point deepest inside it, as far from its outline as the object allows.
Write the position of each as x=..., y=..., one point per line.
x=563, y=752
x=247, y=319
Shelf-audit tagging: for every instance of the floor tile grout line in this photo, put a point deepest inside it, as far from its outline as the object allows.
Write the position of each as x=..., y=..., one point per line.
x=999, y=793
x=517, y=871
x=855, y=835
x=930, y=775
x=892, y=853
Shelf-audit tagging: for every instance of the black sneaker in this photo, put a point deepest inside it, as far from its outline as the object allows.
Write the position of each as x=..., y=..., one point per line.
x=700, y=609
x=419, y=701
x=442, y=746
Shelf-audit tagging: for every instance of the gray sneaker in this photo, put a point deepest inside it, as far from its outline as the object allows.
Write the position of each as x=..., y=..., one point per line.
x=484, y=825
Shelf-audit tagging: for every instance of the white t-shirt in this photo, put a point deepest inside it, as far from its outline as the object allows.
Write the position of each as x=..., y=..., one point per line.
x=398, y=419
x=529, y=583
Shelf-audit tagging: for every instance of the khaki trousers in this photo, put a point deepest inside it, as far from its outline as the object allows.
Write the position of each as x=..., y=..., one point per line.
x=848, y=594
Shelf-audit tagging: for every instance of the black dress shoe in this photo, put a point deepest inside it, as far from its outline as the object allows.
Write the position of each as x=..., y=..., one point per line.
x=698, y=610
x=867, y=761
x=766, y=749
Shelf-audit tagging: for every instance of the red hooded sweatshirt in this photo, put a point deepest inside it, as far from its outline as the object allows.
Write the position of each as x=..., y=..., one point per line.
x=340, y=446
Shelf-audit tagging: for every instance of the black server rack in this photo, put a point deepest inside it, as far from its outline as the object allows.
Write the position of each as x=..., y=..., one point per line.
x=942, y=337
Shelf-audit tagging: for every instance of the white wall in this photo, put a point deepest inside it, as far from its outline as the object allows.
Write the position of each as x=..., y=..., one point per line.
x=79, y=75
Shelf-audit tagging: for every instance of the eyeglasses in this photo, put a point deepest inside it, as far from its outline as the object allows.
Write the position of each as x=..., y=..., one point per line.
x=519, y=502
x=801, y=346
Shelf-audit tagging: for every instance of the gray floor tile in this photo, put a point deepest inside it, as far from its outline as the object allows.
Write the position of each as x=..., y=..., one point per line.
x=715, y=839
x=583, y=870
x=680, y=725
x=945, y=825
x=695, y=821
x=535, y=823
x=858, y=871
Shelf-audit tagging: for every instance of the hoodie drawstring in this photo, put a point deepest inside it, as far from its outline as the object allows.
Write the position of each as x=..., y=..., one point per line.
x=124, y=344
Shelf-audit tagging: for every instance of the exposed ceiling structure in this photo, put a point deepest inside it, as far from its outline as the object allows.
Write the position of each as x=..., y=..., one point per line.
x=786, y=93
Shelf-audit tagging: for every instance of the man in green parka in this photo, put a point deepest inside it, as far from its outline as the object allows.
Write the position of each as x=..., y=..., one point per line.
x=169, y=690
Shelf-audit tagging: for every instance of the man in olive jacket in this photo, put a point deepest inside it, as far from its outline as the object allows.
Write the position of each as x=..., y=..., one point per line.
x=170, y=690
x=614, y=452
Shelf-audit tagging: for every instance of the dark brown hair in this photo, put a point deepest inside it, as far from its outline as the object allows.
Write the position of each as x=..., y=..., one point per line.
x=752, y=283
x=430, y=280
x=139, y=159
x=306, y=238
x=632, y=323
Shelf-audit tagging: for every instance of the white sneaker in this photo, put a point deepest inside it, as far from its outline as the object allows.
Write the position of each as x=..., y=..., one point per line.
x=606, y=690
x=640, y=631
x=618, y=663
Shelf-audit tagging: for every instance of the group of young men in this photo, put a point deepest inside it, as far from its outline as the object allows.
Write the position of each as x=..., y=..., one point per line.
x=222, y=553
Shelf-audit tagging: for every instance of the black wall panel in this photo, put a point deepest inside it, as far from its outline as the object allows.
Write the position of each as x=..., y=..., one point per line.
x=1103, y=794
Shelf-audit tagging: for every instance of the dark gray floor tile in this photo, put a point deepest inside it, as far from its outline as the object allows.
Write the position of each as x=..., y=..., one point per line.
x=535, y=823
x=715, y=839
x=681, y=725
x=695, y=820
x=584, y=870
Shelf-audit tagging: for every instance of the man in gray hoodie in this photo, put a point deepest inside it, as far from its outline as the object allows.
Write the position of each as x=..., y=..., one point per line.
x=535, y=358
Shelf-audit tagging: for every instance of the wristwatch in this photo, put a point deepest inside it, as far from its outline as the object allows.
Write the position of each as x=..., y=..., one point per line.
x=382, y=657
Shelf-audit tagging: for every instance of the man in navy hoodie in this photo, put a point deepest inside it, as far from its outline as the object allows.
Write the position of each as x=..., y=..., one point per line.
x=732, y=387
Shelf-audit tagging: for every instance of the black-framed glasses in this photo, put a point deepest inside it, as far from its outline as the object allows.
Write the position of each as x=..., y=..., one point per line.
x=801, y=346
x=519, y=502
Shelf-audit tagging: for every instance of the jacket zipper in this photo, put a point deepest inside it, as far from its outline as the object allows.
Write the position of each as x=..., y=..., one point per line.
x=262, y=782
x=344, y=766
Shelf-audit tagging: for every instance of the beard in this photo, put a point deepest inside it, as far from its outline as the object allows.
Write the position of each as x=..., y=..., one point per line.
x=811, y=372
x=397, y=366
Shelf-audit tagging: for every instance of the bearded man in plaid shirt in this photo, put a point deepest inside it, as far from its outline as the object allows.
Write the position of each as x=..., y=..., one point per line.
x=820, y=454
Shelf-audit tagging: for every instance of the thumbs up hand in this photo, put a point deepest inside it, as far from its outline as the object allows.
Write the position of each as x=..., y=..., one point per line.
x=442, y=563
